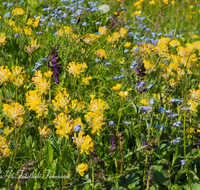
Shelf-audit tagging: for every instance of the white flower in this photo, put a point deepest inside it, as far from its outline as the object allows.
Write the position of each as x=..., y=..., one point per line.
x=105, y=8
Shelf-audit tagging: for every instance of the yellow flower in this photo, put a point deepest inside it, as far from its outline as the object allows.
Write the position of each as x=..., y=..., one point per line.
x=123, y=32
x=5, y=74
x=28, y=31
x=174, y=43
x=136, y=13
x=44, y=131
x=48, y=74
x=7, y=130
x=89, y=38
x=81, y=168
x=29, y=22
x=194, y=36
x=102, y=30
x=1, y=124
x=86, y=80
x=18, y=12
x=37, y=20
x=127, y=44
x=151, y=2
x=92, y=96
x=78, y=106
x=123, y=94
x=84, y=142
x=2, y=40
x=63, y=125
x=76, y=69
x=144, y=102
x=101, y=53
x=34, y=46
x=95, y=120
x=97, y=105
x=15, y=111
x=117, y=87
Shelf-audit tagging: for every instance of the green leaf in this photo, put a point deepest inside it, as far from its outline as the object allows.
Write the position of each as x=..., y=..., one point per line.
x=48, y=153
x=195, y=184
x=131, y=186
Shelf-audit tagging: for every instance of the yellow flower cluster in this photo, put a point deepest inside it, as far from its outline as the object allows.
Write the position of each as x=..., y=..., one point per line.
x=36, y=22
x=95, y=116
x=123, y=94
x=5, y=74
x=64, y=125
x=44, y=131
x=18, y=12
x=76, y=69
x=114, y=38
x=101, y=53
x=2, y=40
x=89, y=38
x=35, y=103
x=61, y=100
x=67, y=30
x=4, y=150
x=86, y=80
x=117, y=87
x=34, y=46
x=81, y=168
x=17, y=79
x=84, y=142
x=41, y=84
x=15, y=111
x=78, y=106
x=103, y=30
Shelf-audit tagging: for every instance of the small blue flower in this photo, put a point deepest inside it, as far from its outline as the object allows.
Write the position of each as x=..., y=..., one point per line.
x=34, y=70
x=77, y=127
x=112, y=123
x=97, y=23
x=161, y=110
x=168, y=112
x=150, y=86
x=16, y=35
x=38, y=64
x=152, y=101
x=126, y=51
x=177, y=140
x=7, y=14
x=97, y=60
x=162, y=128
x=183, y=162
x=84, y=24
x=173, y=115
x=10, y=4
x=127, y=122
x=130, y=34
x=43, y=59
x=177, y=124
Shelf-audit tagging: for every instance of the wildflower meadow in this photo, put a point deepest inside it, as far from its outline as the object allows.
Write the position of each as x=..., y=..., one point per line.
x=100, y=95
